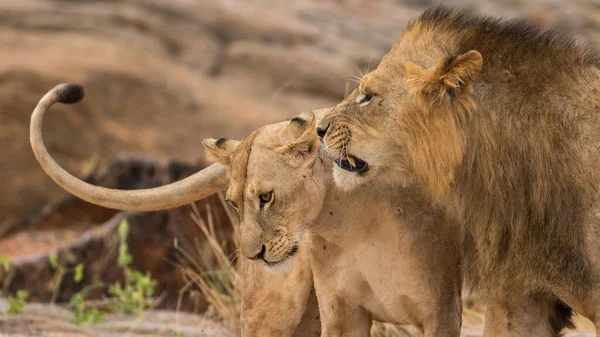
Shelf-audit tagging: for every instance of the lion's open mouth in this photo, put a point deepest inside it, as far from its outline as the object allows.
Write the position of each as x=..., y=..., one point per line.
x=352, y=164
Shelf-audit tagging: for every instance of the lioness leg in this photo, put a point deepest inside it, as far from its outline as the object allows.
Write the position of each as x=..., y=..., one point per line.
x=533, y=315
x=443, y=324
x=338, y=319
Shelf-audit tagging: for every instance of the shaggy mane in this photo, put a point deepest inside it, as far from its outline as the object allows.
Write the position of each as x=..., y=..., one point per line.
x=522, y=182
x=523, y=37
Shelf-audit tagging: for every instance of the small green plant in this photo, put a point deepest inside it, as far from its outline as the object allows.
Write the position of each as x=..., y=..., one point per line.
x=16, y=304
x=135, y=295
x=5, y=262
x=61, y=271
x=83, y=314
x=124, y=259
x=53, y=259
x=78, y=273
x=132, y=297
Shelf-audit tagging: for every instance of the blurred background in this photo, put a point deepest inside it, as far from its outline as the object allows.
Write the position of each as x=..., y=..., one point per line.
x=161, y=75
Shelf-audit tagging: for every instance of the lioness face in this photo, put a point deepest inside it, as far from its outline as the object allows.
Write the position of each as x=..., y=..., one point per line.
x=275, y=186
x=391, y=126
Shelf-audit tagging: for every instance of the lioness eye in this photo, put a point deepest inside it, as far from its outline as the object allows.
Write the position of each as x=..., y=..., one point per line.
x=364, y=98
x=265, y=198
x=233, y=204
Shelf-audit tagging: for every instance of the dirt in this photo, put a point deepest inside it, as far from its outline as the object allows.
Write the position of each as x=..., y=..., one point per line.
x=47, y=320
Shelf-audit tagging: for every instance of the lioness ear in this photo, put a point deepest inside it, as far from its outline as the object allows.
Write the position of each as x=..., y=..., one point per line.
x=220, y=150
x=301, y=139
x=451, y=79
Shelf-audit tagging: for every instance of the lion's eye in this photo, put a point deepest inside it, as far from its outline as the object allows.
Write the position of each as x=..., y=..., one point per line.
x=265, y=198
x=233, y=204
x=364, y=99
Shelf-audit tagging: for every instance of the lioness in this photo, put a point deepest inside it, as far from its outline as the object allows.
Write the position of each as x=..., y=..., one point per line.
x=278, y=304
x=499, y=122
x=395, y=259
x=272, y=303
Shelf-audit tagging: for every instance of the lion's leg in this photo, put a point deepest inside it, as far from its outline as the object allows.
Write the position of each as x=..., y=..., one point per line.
x=339, y=319
x=590, y=307
x=340, y=315
x=592, y=241
x=442, y=324
x=516, y=316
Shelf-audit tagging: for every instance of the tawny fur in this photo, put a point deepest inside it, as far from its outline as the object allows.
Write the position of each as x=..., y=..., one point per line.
x=272, y=303
x=500, y=123
x=395, y=260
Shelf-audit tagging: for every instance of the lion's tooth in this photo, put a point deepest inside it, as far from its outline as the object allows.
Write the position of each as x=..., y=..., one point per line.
x=351, y=161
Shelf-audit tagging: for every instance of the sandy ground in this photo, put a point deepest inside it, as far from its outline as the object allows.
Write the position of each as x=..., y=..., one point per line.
x=46, y=320
x=49, y=321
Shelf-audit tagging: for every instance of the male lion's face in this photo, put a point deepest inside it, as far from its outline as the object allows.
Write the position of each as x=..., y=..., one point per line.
x=362, y=133
x=402, y=121
x=275, y=186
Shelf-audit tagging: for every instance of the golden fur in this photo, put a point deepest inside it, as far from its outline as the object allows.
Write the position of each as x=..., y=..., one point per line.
x=500, y=123
x=395, y=260
x=278, y=304
x=272, y=303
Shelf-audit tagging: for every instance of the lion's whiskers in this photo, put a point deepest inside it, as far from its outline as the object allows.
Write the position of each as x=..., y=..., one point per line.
x=355, y=67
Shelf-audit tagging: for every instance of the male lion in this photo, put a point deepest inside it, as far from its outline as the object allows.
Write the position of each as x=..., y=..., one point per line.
x=499, y=122
x=395, y=260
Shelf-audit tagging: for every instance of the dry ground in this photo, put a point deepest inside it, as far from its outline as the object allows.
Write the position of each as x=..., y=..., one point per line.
x=49, y=321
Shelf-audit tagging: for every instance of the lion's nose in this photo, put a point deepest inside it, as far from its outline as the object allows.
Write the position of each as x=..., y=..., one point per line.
x=261, y=254
x=322, y=131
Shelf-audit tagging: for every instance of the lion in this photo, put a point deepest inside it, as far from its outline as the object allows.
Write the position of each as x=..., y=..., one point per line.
x=499, y=123
x=395, y=260
x=272, y=304
x=391, y=259
x=278, y=304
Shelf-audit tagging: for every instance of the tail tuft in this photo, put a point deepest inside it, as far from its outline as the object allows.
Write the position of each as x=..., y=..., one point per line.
x=69, y=93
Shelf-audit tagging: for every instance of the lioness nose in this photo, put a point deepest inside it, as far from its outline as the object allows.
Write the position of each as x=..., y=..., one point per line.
x=322, y=131
x=261, y=254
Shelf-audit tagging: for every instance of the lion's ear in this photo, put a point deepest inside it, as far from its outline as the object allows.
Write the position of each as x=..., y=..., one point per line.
x=452, y=78
x=220, y=150
x=301, y=140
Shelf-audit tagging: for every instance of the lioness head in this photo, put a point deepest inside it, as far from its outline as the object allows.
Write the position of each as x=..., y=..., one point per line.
x=275, y=187
x=405, y=113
